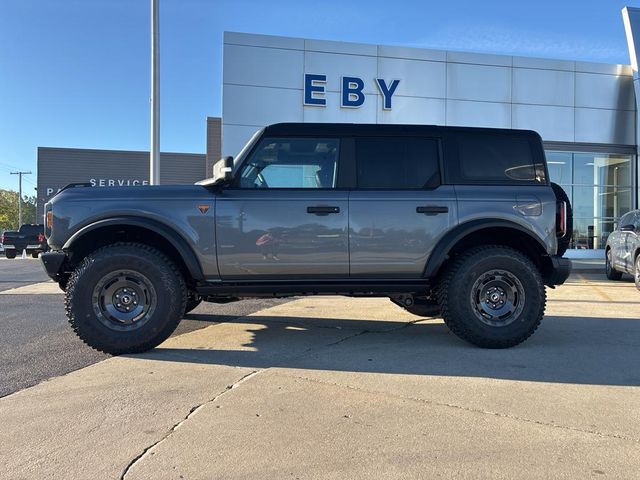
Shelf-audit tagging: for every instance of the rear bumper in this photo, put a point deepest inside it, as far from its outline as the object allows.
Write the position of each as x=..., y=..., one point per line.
x=53, y=264
x=560, y=271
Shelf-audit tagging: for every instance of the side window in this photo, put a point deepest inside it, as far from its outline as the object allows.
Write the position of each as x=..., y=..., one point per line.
x=291, y=163
x=397, y=163
x=626, y=219
x=496, y=159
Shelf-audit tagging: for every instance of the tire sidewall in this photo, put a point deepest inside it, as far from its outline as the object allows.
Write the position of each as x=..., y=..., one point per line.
x=168, y=305
x=477, y=265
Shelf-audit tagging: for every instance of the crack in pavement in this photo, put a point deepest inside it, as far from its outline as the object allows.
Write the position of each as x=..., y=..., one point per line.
x=195, y=409
x=467, y=409
x=243, y=379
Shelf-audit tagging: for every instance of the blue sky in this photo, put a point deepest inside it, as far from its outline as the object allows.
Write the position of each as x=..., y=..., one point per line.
x=75, y=73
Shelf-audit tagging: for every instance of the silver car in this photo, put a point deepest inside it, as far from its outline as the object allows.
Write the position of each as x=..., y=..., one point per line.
x=623, y=248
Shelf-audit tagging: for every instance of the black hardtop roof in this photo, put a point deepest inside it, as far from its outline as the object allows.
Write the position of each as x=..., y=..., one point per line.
x=361, y=129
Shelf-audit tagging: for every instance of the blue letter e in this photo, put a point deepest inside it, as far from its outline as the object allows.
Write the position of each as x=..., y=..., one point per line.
x=352, y=95
x=311, y=86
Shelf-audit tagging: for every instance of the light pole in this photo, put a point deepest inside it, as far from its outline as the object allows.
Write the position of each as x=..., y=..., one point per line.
x=154, y=163
x=20, y=174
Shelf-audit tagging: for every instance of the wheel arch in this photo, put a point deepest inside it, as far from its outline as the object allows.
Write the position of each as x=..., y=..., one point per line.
x=488, y=232
x=142, y=230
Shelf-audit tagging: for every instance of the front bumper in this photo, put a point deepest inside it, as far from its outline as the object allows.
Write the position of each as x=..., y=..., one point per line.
x=53, y=263
x=560, y=271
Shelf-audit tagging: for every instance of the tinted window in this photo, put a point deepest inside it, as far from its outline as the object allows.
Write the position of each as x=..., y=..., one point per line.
x=397, y=163
x=495, y=159
x=291, y=163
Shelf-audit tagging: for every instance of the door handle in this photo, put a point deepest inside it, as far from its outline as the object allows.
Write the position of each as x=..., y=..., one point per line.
x=322, y=210
x=432, y=209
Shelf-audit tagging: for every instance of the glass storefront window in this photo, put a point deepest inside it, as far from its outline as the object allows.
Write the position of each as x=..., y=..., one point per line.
x=560, y=165
x=600, y=188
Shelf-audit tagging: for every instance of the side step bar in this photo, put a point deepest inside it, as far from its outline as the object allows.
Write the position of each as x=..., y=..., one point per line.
x=381, y=288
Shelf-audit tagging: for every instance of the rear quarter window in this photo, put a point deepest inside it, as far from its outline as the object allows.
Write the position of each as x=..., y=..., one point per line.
x=490, y=158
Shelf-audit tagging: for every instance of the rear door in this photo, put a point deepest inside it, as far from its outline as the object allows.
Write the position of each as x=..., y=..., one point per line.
x=400, y=209
x=285, y=217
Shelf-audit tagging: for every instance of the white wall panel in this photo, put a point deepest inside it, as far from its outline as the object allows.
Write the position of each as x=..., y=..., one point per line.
x=544, y=63
x=479, y=58
x=417, y=78
x=605, y=126
x=340, y=47
x=412, y=53
x=605, y=68
x=477, y=82
x=478, y=114
x=604, y=91
x=270, y=67
x=552, y=123
x=543, y=87
x=335, y=66
x=413, y=110
x=334, y=113
x=256, y=40
x=242, y=105
x=234, y=138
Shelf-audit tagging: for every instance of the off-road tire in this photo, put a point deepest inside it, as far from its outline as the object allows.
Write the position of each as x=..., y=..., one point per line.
x=422, y=308
x=10, y=253
x=165, y=281
x=561, y=196
x=636, y=272
x=454, y=293
x=610, y=272
x=193, y=300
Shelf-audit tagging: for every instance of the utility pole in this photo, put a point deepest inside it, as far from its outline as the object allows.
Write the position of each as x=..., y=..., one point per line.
x=154, y=164
x=20, y=174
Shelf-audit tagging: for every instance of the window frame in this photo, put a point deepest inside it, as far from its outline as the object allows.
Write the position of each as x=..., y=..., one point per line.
x=340, y=174
x=453, y=172
x=440, y=161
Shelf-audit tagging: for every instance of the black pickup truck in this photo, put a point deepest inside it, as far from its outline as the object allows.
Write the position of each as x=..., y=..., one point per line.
x=30, y=237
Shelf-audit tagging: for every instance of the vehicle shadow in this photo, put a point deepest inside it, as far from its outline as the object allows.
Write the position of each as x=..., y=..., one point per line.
x=578, y=350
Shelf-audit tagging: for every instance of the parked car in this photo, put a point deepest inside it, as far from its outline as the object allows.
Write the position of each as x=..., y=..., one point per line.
x=622, y=251
x=457, y=222
x=30, y=237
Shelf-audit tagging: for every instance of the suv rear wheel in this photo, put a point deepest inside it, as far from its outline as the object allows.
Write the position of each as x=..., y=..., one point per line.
x=492, y=296
x=125, y=298
x=10, y=253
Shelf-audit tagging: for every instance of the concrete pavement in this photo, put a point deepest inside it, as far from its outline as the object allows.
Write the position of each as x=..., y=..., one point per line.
x=328, y=387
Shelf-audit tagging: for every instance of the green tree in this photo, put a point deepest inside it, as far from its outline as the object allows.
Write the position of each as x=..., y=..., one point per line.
x=9, y=210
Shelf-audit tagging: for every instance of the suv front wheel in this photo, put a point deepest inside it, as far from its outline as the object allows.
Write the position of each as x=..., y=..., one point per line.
x=125, y=298
x=492, y=296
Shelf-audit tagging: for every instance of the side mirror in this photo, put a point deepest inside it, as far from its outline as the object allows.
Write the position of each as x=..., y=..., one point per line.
x=628, y=228
x=223, y=171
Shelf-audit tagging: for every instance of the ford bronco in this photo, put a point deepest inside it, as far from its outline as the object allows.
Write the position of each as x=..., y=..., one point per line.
x=461, y=223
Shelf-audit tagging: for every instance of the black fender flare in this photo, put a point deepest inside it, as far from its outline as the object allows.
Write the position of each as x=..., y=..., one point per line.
x=450, y=239
x=174, y=238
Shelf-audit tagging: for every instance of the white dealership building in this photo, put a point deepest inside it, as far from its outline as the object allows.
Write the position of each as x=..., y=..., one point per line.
x=585, y=112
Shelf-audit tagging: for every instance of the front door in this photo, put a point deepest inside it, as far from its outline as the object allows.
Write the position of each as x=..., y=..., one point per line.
x=284, y=218
x=400, y=209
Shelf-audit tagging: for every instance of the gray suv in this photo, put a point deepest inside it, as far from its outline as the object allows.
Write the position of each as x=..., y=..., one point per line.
x=461, y=223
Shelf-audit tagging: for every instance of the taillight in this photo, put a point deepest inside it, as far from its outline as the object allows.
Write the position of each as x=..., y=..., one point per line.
x=561, y=219
x=40, y=237
x=48, y=220
x=2, y=238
